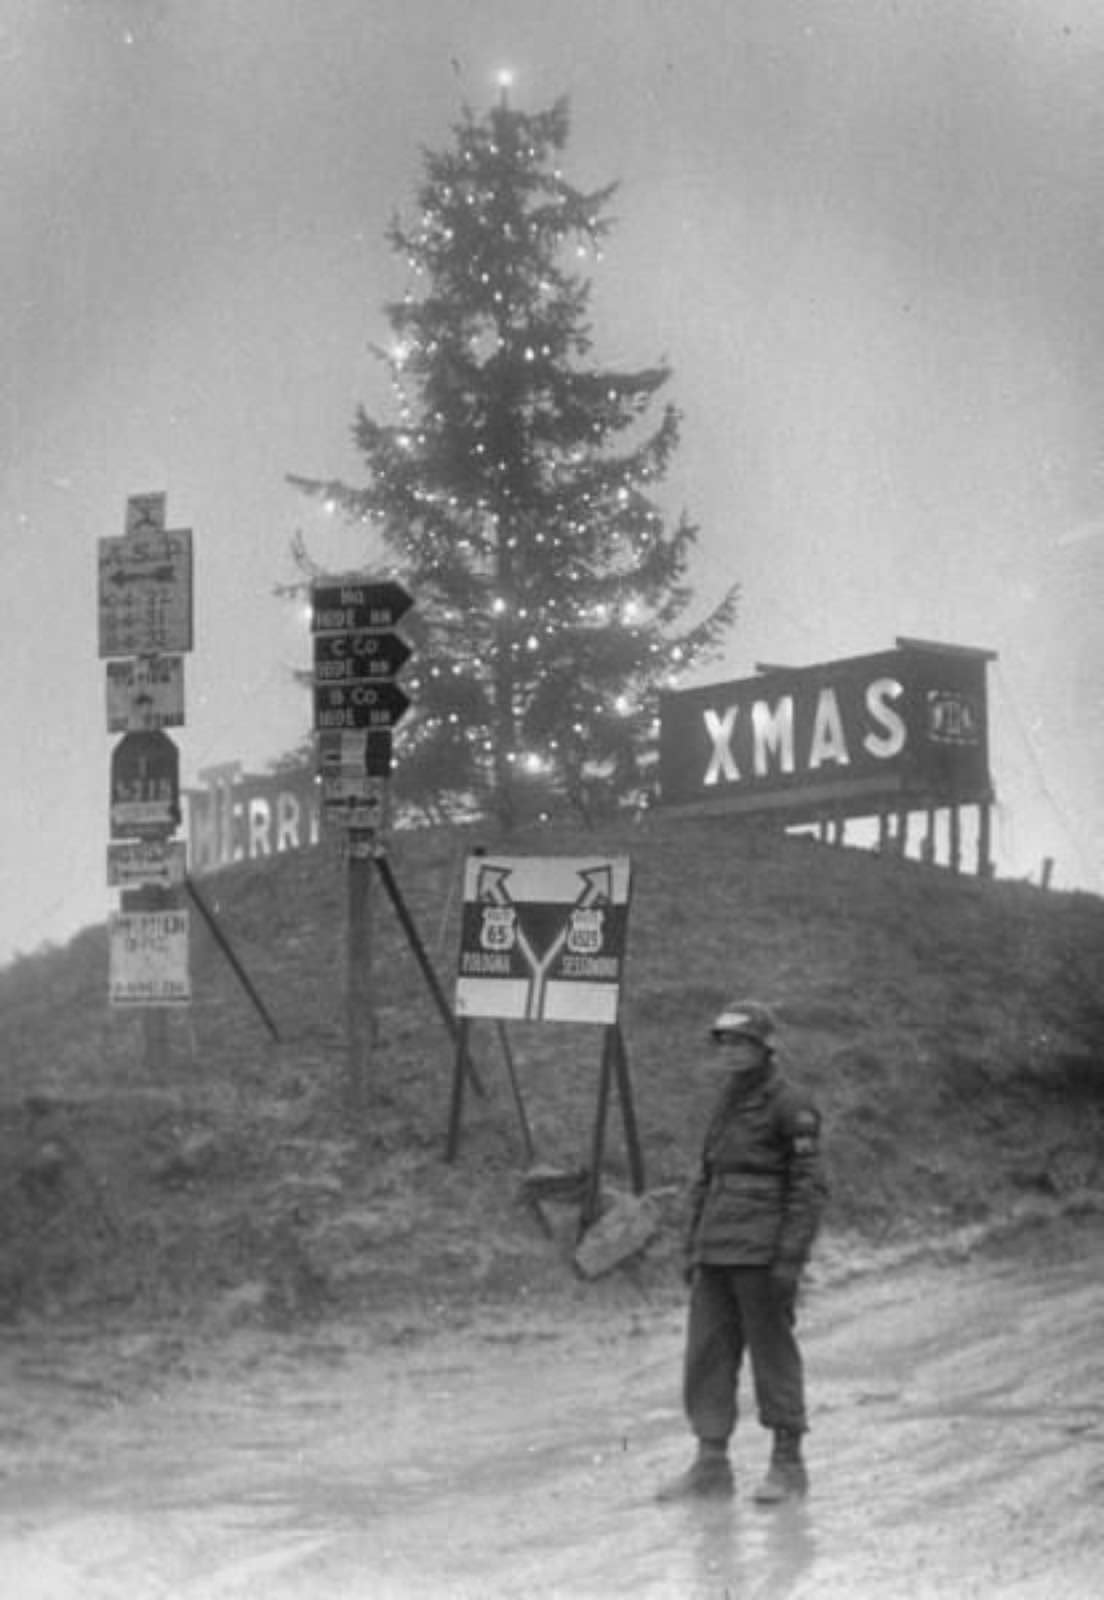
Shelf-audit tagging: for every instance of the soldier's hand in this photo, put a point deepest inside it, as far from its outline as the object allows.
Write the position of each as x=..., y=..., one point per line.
x=784, y=1279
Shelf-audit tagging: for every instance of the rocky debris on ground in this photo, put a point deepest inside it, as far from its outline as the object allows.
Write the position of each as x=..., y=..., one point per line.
x=626, y=1227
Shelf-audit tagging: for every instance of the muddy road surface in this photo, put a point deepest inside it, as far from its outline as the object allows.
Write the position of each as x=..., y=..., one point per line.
x=957, y=1450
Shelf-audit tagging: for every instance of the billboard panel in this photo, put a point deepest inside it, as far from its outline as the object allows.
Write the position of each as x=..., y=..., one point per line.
x=245, y=816
x=906, y=727
x=543, y=938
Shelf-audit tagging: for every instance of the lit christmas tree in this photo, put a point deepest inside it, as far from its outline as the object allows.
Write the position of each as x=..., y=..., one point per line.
x=514, y=494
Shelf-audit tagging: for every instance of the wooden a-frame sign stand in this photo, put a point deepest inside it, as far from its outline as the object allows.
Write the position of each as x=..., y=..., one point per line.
x=614, y=1064
x=614, y=1068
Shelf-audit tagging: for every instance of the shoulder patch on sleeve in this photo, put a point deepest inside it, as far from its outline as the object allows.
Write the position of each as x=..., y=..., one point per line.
x=805, y=1131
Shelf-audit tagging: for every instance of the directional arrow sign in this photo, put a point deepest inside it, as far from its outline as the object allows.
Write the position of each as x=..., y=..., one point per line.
x=347, y=607
x=339, y=657
x=358, y=705
x=134, y=862
x=145, y=592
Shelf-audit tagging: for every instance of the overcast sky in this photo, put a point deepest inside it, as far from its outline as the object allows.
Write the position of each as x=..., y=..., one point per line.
x=868, y=237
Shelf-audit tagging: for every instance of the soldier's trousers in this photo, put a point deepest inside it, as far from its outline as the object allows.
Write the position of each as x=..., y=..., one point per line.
x=733, y=1310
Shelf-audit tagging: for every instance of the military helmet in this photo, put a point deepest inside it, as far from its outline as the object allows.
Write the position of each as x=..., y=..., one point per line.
x=744, y=1019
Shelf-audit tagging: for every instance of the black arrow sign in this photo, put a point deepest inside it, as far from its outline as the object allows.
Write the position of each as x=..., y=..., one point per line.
x=358, y=705
x=343, y=656
x=347, y=607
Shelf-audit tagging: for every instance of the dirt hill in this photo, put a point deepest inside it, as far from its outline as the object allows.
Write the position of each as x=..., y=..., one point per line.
x=951, y=1029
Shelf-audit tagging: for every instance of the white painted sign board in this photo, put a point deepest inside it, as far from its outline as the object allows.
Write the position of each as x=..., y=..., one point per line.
x=145, y=594
x=148, y=963
x=145, y=693
x=543, y=938
x=133, y=863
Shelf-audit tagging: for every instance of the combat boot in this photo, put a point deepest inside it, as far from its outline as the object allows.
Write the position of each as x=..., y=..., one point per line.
x=786, y=1477
x=709, y=1475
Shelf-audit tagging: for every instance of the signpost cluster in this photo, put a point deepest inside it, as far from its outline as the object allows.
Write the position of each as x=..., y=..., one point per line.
x=145, y=629
x=357, y=702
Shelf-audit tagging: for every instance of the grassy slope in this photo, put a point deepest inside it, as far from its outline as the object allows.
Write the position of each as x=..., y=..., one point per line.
x=952, y=1031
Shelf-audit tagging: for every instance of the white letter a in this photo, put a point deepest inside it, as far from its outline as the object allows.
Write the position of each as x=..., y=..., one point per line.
x=829, y=742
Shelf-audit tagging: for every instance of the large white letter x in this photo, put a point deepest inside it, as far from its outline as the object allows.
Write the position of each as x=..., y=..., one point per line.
x=722, y=764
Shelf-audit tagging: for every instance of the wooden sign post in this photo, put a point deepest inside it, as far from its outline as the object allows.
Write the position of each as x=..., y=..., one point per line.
x=357, y=655
x=145, y=628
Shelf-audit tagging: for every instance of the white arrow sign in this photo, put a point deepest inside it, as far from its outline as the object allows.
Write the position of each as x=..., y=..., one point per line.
x=145, y=593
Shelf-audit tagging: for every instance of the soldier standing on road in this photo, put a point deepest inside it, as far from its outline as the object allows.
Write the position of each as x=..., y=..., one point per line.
x=755, y=1208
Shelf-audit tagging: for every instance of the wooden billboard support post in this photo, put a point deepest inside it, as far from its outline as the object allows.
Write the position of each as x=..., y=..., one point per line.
x=883, y=830
x=927, y=844
x=955, y=861
x=902, y=840
x=984, y=845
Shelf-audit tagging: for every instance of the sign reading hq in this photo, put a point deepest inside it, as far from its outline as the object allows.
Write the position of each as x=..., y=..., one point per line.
x=904, y=728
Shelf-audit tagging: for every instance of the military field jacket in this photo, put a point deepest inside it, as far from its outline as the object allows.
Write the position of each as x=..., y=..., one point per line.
x=760, y=1191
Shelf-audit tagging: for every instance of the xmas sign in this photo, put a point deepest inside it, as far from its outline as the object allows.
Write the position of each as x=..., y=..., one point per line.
x=905, y=726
